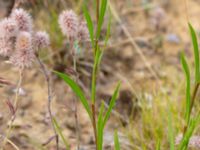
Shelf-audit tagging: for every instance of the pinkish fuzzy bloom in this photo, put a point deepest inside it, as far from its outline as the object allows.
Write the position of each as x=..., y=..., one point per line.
x=68, y=22
x=6, y=46
x=24, y=54
x=23, y=19
x=83, y=33
x=41, y=40
x=8, y=28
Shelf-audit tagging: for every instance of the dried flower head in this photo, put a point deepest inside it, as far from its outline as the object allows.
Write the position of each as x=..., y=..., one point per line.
x=41, y=39
x=23, y=19
x=83, y=33
x=8, y=28
x=68, y=22
x=6, y=46
x=24, y=54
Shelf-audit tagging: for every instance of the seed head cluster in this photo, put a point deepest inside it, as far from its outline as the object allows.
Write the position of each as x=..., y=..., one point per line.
x=23, y=19
x=72, y=27
x=18, y=41
x=41, y=39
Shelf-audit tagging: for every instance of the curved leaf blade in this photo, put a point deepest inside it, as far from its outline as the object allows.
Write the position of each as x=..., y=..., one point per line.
x=77, y=90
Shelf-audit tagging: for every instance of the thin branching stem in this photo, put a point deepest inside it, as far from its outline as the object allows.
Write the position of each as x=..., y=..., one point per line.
x=75, y=99
x=47, y=78
x=94, y=76
x=15, y=106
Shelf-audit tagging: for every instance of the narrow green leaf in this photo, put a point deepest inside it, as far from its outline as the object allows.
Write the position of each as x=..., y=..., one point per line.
x=101, y=17
x=187, y=76
x=98, y=56
x=158, y=145
x=112, y=104
x=108, y=28
x=191, y=127
x=100, y=128
x=196, y=53
x=59, y=131
x=116, y=141
x=77, y=90
x=89, y=24
x=170, y=130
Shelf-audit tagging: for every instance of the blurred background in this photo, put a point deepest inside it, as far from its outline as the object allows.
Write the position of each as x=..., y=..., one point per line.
x=147, y=37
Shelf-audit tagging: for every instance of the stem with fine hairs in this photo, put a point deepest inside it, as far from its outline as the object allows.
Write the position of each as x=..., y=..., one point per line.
x=15, y=106
x=75, y=99
x=47, y=78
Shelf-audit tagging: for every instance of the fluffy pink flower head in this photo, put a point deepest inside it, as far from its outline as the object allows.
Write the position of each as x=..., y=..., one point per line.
x=24, y=54
x=68, y=22
x=23, y=19
x=8, y=28
x=6, y=46
x=41, y=39
x=83, y=33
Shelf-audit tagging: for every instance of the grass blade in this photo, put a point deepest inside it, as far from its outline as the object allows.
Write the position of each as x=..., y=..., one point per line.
x=193, y=124
x=77, y=90
x=116, y=141
x=97, y=61
x=112, y=104
x=187, y=76
x=108, y=29
x=58, y=129
x=158, y=145
x=196, y=53
x=89, y=24
x=100, y=128
x=170, y=131
x=101, y=17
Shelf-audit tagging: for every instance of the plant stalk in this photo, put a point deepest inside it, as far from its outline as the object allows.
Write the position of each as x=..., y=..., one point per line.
x=75, y=99
x=15, y=106
x=47, y=78
x=192, y=104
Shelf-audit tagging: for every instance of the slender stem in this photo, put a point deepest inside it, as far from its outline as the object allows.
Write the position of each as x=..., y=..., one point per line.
x=15, y=107
x=94, y=124
x=75, y=99
x=194, y=96
x=192, y=104
x=94, y=76
x=46, y=75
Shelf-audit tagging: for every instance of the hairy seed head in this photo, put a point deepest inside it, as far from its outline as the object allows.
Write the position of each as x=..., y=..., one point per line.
x=83, y=33
x=8, y=28
x=24, y=54
x=23, y=19
x=6, y=46
x=41, y=39
x=68, y=22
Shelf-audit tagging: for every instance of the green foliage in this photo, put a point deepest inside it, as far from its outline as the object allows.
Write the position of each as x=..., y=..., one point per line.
x=100, y=128
x=191, y=127
x=101, y=17
x=187, y=75
x=97, y=61
x=196, y=53
x=191, y=122
x=89, y=24
x=59, y=131
x=170, y=130
x=112, y=104
x=77, y=90
x=116, y=141
x=98, y=53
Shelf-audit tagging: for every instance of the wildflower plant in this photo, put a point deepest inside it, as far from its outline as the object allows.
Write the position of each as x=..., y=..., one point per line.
x=66, y=20
x=191, y=120
x=21, y=45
